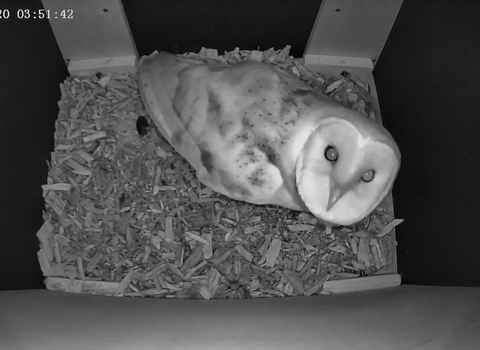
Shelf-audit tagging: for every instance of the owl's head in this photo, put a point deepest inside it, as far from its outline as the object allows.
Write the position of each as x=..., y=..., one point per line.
x=346, y=167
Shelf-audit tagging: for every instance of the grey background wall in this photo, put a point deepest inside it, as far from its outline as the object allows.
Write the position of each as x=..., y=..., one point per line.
x=428, y=79
x=31, y=70
x=187, y=25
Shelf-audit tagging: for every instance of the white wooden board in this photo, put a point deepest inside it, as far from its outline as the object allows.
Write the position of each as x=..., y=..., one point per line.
x=96, y=36
x=353, y=28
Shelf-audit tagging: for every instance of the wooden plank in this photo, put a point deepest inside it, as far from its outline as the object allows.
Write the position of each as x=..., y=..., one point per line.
x=361, y=67
x=362, y=283
x=393, y=268
x=122, y=64
x=353, y=28
x=96, y=30
x=330, y=287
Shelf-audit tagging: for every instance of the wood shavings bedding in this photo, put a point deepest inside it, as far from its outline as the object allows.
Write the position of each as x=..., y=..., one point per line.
x=126, y=216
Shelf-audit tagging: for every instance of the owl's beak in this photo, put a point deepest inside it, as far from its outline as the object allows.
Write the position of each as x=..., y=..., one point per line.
x=336, y=192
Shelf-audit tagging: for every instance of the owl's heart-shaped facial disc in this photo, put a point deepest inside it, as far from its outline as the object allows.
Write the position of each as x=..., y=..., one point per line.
x=342, y=175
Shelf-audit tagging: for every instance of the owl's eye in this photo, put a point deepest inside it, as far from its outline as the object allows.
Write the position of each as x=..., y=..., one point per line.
x=368, y=175
x=331, y=154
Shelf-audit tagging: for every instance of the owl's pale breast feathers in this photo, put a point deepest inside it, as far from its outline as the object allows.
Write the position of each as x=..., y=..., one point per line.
x=244, y=127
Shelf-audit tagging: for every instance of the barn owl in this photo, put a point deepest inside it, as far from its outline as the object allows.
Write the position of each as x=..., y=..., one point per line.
x=257, y=134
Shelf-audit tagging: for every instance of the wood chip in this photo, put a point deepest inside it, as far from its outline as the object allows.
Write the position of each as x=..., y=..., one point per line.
x=300, y=227
x=243, y=252
x=196, y=237
x=386, y=230
x=169, y=236
x=57, y=187
x=256, y=56
x=295, y=280
x=272, y=253
x=93, y=137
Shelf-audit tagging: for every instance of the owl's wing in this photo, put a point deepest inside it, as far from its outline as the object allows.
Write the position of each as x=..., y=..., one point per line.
x=158, y=83
x=174, y=93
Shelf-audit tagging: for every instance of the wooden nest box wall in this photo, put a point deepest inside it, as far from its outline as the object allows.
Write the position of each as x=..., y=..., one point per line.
x=154, y=245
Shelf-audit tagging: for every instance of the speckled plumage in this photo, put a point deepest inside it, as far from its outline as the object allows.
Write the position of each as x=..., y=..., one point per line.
x=247, y=130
